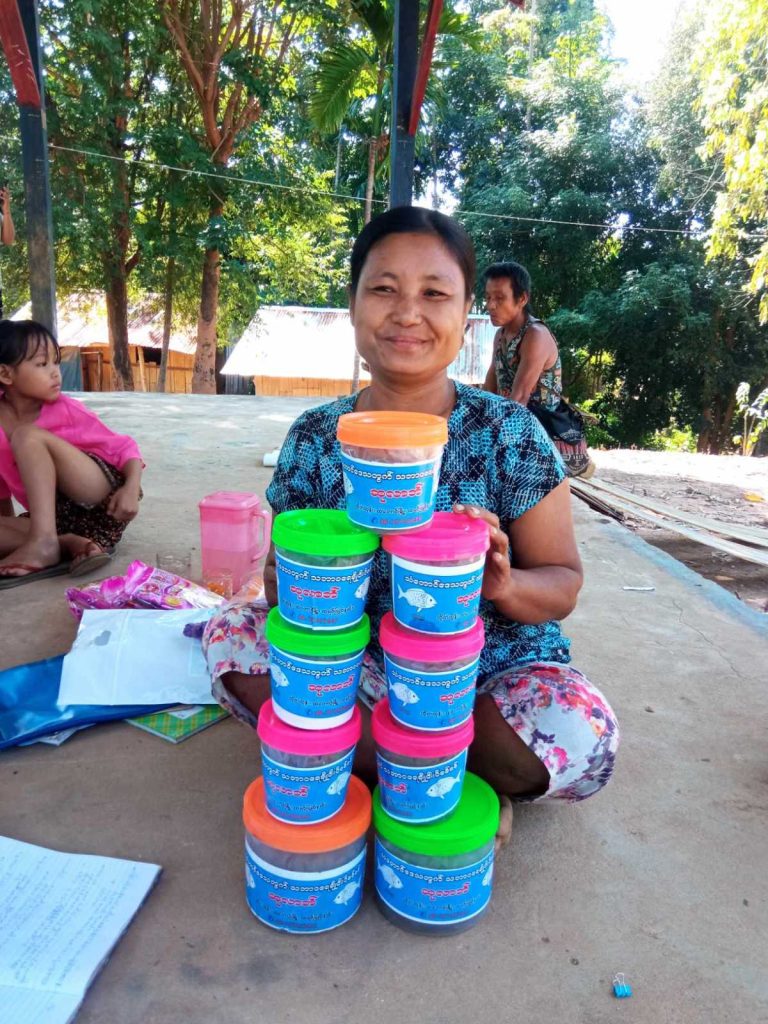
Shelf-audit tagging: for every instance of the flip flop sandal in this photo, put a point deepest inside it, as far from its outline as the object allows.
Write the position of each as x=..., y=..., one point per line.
x=90, y=563
x=32, y=574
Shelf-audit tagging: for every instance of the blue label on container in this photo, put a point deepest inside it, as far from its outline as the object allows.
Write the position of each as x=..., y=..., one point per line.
x=389, y=496
x=433, y=896
x=322, y=597
x=421, y=794
x=436, y=600
x=296, y=901
x=314, y=689
x=305, y=795
x=431, y=700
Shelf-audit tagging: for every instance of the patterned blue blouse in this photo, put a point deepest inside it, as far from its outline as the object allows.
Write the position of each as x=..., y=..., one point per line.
x=498, y=457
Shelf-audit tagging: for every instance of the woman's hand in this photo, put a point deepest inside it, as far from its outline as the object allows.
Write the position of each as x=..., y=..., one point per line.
x=546, y=578
x=270, y=578
x=497, y=577
x=124, y=503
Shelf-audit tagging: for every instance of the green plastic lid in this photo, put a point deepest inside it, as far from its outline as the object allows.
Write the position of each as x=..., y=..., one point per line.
x=474, y=823
x=316, y=643
x=322, y=531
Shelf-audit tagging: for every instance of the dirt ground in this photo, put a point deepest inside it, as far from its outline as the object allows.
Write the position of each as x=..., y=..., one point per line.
x=707, y=485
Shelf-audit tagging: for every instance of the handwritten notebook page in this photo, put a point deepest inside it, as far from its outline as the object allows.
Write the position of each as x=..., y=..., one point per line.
x=61, y=914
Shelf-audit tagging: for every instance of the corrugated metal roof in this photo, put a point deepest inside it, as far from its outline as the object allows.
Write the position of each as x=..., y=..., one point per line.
x=299, y=341
x=82, y=323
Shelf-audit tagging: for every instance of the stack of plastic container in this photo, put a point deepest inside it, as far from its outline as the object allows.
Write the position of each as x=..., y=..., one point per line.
x=435, y=823
x=306, y=818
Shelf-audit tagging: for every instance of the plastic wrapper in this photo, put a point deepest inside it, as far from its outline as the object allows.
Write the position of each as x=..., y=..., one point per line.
x=309, y=863
x=303, y=760
x=141, y=586
x=29, y=707
x=394, y=456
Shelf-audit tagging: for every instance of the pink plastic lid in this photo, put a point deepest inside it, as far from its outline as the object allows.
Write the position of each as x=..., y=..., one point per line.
x=307, y=742
x=448, y=536
x=405, y=643
x=241, y=500
x=390, y=735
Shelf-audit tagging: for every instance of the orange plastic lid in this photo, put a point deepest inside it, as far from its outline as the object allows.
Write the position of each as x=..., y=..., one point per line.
x=391, y=429
x=343, y=828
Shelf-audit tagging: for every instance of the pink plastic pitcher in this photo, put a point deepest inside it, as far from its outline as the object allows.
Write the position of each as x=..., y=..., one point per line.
x=234, y=534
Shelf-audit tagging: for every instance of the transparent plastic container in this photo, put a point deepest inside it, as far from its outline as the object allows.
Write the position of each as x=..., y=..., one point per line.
x=323, y=566
x=421, y=774
x=234, y=534
x=306, y=772
x=305, y=879
x=437, y=879
x=315, y=674
x=437, y=574
x=431, y=680
x=391, y=468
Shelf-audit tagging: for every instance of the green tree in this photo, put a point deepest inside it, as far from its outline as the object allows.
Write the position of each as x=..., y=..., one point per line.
x=100, y=64
x=239, y=58
x=734, y=104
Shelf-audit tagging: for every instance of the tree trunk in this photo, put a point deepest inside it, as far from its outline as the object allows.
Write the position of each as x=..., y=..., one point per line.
x=117, y=320
x=204, y=372
x=369, y=183
x=170, y=271
x=704, y=439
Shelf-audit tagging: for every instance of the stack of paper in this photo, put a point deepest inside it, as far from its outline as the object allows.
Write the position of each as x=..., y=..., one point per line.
x=61, y=915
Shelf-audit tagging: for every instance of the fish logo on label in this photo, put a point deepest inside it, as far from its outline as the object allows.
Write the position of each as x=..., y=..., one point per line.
x=390, y=877
x=338, y=784
x=349, y=487
x=250, y=881
x=443, y=786
x=404, y=693
x=346, y=894
x=416, y=598
x=488, y=876
x=362, y=590
x=279, y=677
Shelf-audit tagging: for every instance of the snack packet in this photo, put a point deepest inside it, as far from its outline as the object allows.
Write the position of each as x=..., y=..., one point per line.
x=141, y=586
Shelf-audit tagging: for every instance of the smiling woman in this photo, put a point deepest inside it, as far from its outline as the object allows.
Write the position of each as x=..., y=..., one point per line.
x=542, y=731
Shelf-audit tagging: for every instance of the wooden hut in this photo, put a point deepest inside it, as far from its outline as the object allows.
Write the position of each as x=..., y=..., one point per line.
x=83, y=334
x=297, y=350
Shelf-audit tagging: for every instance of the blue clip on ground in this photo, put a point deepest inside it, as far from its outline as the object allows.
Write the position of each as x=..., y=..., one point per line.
x=621, y=989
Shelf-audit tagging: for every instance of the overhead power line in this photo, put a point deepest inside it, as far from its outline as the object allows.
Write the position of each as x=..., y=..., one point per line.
x=348, y=197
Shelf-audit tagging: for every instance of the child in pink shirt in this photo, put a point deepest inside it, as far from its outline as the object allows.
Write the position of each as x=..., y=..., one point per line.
x=77, y=479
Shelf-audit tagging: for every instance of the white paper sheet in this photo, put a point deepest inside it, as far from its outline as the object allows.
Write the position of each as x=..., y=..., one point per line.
x=136, y=656
x=61, y=915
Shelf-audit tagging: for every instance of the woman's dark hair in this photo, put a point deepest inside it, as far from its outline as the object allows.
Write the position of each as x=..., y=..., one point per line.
x=518, y=277
x=23, y=339
x=416, y=220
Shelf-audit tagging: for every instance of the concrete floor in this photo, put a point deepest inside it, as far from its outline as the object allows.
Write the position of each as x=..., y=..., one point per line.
x=661, y=876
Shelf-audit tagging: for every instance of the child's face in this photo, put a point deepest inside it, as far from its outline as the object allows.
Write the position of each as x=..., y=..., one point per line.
x=503, y=308
x=37, y=376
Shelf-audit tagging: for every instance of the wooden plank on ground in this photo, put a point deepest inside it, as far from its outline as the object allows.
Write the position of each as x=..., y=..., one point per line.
x=736, y=531
x=729, y=547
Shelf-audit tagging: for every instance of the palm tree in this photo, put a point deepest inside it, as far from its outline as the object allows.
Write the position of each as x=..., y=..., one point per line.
x=352, y=82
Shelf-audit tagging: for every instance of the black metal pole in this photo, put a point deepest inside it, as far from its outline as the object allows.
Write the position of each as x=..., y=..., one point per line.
x=37, y=191
x=402, y=146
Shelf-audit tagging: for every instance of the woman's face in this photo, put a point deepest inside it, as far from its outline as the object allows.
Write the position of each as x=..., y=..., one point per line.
x=410, y=309
x=502, y=305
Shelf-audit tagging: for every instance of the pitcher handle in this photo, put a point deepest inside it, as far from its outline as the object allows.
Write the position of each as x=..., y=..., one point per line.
x=266, y=529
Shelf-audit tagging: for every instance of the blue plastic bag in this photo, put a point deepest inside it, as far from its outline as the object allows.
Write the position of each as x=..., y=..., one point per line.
x=28, y=708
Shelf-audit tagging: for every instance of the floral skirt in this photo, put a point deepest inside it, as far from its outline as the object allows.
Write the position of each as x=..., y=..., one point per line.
x=563, y=719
